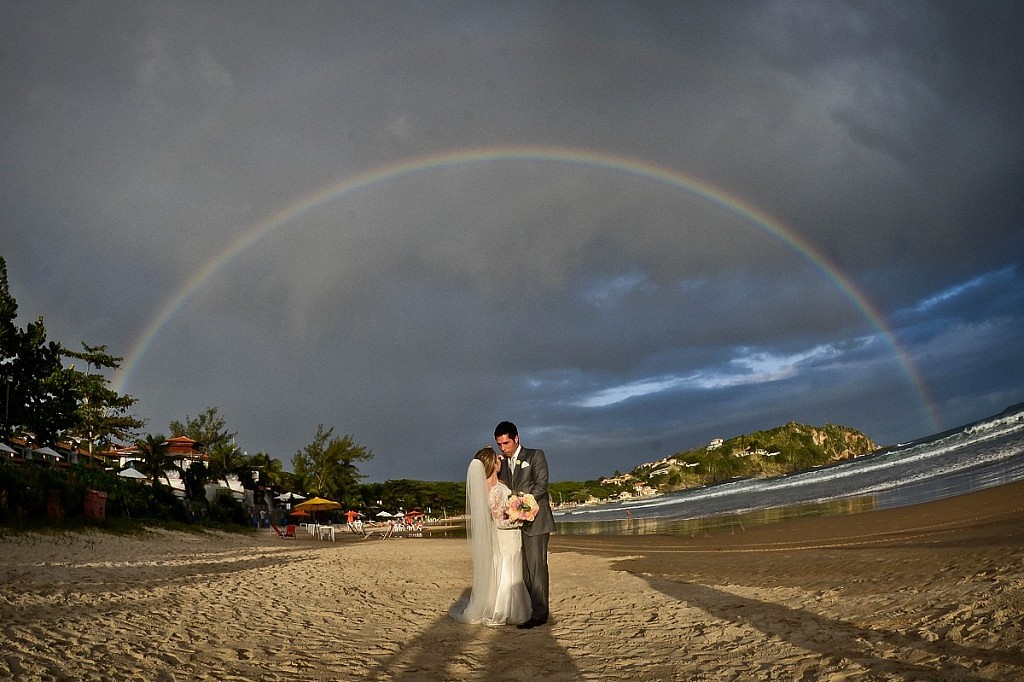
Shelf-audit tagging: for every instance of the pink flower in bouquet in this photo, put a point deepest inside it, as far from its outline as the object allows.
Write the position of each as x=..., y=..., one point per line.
x=522, y=507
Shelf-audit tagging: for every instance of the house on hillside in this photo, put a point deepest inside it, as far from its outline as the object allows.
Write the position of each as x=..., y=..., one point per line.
x=643, y=490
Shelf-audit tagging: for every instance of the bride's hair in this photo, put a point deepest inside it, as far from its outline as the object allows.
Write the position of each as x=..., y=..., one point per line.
x=489, y=458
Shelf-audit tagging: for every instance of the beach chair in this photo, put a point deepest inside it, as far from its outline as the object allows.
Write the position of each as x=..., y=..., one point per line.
x=384, y=533
x=288, y=532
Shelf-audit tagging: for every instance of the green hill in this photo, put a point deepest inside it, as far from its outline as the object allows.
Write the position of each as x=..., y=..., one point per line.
x=774, y=452
x=777, y=451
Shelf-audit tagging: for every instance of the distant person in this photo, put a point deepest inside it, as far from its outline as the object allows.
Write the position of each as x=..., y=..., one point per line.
x=526, y=471
x=499, y=595
x=352, y=518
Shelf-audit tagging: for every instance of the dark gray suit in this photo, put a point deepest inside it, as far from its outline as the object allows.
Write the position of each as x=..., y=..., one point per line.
x=531, y=476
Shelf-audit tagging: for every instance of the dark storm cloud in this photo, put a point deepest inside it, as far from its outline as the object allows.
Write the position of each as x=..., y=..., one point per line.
x=617, y=318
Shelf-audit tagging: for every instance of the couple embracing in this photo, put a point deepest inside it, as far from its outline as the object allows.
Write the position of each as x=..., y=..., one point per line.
x=509, y=525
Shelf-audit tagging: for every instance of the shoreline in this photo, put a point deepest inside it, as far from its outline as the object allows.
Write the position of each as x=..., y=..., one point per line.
x=957, y=515
x=934, y=591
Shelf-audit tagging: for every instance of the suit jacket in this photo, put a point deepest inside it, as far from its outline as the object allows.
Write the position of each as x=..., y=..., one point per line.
x=531, y=476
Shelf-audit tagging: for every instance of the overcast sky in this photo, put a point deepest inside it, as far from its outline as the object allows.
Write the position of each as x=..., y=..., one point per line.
x=628, y=227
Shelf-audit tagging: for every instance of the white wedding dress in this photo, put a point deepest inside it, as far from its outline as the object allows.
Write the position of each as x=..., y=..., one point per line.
x=499, y=595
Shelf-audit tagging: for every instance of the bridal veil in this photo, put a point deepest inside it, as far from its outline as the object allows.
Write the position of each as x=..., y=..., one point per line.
x=483, y=542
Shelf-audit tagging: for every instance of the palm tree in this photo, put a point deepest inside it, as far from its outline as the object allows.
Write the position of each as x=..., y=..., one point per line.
x=271, y=470
x=225, y=459
x=156, y=457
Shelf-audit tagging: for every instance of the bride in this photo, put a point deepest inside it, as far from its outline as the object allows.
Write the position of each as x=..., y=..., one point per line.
x=499, y=595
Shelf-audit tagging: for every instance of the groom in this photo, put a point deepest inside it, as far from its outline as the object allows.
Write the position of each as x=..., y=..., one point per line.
x=526, y=471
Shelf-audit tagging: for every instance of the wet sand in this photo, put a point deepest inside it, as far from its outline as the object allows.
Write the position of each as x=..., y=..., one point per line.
x=934, y=591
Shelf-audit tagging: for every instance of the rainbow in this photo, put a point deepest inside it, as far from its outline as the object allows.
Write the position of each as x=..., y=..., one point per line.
x=551, y=154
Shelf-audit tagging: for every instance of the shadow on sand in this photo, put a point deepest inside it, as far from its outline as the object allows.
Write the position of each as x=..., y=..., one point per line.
x=449, y=650
x=837, y=640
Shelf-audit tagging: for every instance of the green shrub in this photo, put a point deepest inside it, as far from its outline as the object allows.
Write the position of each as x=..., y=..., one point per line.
x=226, y=509
x=36, y=495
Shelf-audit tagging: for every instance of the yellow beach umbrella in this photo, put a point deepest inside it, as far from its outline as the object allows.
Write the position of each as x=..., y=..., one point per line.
x=318, y=504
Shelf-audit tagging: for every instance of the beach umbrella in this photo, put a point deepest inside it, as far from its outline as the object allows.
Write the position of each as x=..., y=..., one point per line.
x=131, y=472
x=7, y=448
x=289, y=497
x=49, y=452
x=385, y=514
x=317, y=504
x=314, y=504
x=298, y=512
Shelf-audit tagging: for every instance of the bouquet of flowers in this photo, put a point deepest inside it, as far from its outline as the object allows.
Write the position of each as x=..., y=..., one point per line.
x=522, y=507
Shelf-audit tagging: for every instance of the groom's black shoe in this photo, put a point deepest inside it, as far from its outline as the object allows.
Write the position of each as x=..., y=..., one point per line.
x=532, y=623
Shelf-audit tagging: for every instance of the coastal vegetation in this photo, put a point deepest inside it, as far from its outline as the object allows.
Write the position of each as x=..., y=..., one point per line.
x=60, y=397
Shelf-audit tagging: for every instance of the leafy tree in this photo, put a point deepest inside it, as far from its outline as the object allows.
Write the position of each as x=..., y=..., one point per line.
x=327, y=466
x=46, y=400
x=445, y=497
x=440, y=497
x=372, y=494
x=568, y=491
x=404, y=494
x=8, y=308
x=27, y=362
x=101, y=414
x=34, y=390
x=208, y=428
x=46, y=388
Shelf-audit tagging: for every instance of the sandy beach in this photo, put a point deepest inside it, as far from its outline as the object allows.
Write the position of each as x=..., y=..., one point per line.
x=931, y=592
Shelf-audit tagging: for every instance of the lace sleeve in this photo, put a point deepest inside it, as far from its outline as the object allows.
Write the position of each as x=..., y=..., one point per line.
x=496, y=503
x=499, y=506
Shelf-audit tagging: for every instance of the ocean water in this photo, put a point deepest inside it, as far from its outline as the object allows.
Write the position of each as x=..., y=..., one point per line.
x=980, y=455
